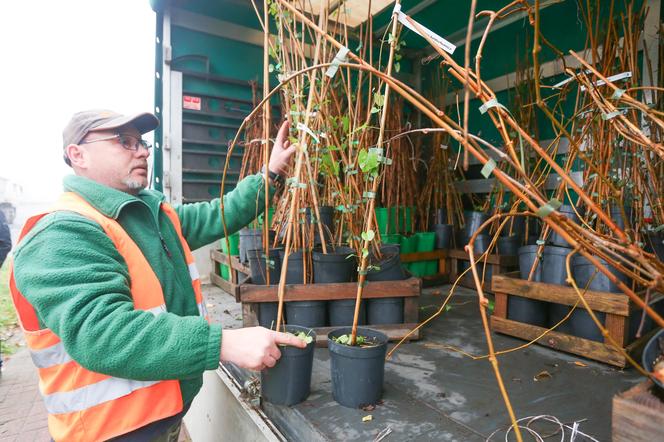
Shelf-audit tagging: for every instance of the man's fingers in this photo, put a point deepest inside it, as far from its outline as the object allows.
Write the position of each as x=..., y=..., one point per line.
x=269, y=361
x=283, y=131
x=288, y=339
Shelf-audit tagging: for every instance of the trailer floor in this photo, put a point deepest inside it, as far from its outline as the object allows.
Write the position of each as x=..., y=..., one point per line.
x=432, y=392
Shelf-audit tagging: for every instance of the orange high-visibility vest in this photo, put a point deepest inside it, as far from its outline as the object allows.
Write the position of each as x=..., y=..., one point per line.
x=84, y=405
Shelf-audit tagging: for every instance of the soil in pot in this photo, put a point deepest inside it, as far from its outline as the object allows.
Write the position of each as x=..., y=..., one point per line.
x=337, y=265
x=384, y=311
x=389, y=263
x=259, y=269
x=342, y=311
x=295, y=270
x=444, y=234
x=307, y=313
x=289, y=381
x=358, y=371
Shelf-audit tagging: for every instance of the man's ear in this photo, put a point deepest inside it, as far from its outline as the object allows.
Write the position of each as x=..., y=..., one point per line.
x=77, y=155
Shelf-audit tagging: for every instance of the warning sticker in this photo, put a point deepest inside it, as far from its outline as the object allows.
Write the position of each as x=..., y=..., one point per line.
x=191, y=102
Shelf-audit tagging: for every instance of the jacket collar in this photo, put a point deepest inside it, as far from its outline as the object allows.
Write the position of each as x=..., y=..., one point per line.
x=107, y=200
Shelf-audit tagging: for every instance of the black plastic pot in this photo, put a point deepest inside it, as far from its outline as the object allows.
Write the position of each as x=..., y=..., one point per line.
x=295, y=270
x=618, y=219
x=335, y=266
x=444, y=234
x=654, y=243
x=530, y=311
x=390, y=265
x=472, y=221
x=258, y=267
x=654, y=348
x=509, y=245
x=289, y=381
x=527, y=257
x=307, y=313
x=385, y=311
x=568, y=212
x=517, y=225
x=553, y=265
x=480, y=246
x=267, y=314
x=357, y=372
x=326, y=219
x=556, y=313
x=251, y=239
x=588, y=276
x=441, y=216
x=341, y=312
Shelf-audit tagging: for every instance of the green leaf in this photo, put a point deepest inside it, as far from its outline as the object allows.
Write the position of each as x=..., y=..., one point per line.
x=270, y=68
x=368, y=161
x=374, y=110
x=379, y=99
x=345, y=121
x=365, y=253
x=397, y=66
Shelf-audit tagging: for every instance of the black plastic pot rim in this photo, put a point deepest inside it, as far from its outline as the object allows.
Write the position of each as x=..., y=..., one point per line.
x=357, y=352
x=527, y=249
x=294, y=352
x=556, y=250
x=260, y=253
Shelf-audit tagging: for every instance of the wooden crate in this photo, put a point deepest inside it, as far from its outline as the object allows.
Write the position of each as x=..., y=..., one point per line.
x=251, y=295
x=638, y=415
x=238, y=272
x=440, y=255
x=500, y=265
x=617, y=307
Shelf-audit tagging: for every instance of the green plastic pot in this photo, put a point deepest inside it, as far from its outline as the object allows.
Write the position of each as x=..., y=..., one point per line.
x=385, y=220
x=234, y=241
x=408, y=245
x=425, y=242
x=391, y=238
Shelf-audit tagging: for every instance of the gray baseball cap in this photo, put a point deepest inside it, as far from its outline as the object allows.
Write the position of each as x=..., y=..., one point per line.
x=82, y=123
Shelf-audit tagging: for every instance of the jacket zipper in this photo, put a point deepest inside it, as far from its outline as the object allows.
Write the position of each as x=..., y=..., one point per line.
x=156, y=225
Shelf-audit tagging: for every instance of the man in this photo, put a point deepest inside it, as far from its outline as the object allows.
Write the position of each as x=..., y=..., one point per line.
x=5, y=239
x=108, y=295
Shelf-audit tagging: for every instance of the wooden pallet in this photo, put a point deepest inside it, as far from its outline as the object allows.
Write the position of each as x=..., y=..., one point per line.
x=500, y=265
x=638, y=415
x=251, y=295
x=617, y=307
x=440, y=255
x=239, y=273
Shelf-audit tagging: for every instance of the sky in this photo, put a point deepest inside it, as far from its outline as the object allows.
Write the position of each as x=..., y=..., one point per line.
x=60, y=57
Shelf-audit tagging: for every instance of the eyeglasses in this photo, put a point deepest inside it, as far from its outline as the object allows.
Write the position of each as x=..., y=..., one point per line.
x=129, y=142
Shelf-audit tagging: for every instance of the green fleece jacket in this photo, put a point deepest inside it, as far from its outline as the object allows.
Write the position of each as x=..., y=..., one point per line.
x=78, y=283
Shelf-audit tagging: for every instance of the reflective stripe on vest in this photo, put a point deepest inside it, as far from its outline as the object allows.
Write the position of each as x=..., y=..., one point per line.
x=91, y=395
x=48, y=357
x=84, y=405
x=193, y=272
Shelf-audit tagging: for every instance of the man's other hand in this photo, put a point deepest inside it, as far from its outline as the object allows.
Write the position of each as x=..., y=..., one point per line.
x=255, y=348
x=281, y=151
